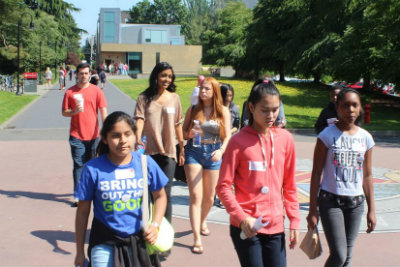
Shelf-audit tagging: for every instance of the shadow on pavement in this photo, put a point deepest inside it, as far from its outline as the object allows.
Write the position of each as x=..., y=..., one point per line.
x=177, y=244
x=53, y=236
x=35, y=195
x=181, y=234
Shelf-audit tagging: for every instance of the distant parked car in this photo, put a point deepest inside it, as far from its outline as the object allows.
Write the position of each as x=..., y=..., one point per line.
x=388, y=88
x=357, y=85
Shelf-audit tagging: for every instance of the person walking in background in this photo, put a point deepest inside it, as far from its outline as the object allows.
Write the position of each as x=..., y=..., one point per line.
x=94, y=78
x=61, y=78
x=244, y=119
x=194, y=97
x=103, y=78
x=111, y=68
x=116, y=66
x=126, y=68
x=117, y=222
x=328, y=115
x=65, y=75
x=259, y=163
x=81, y=103
x=227, y=94
x=280, y=120
x=71, y=72
x=120, y=68
x=48, y=75
x=203, y=159
x=343, y=155
x=159, y=117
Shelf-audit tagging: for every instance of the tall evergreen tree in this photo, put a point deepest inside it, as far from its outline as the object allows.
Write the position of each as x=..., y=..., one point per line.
x=225, y=43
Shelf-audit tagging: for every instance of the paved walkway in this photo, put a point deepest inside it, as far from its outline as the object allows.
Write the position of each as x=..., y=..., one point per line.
x=36, y=185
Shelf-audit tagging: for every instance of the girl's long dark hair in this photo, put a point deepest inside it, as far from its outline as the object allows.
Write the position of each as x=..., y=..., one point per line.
x=225, y=87
x=152, y=90
x=108, y=125
x=340, y=97
x=260, y=89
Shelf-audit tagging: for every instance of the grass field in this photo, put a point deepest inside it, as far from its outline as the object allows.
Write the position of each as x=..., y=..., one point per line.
x=10, y=104
x=302, y=101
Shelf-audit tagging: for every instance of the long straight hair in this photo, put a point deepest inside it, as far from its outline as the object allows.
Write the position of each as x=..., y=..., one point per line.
x=217, y=111
x=152, y=90
x=108, y=126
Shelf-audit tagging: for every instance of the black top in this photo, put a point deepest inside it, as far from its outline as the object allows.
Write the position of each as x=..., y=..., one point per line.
x=326, y=113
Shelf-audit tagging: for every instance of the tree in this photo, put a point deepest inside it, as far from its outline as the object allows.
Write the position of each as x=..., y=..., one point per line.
x=62, y=13
x=144, y=12
x=48, y=28
x=273, y=36
x=384, y=15
x=195, y=16
x=160, y=12
x=225, y=44
x=320, y=30
x=202, y=16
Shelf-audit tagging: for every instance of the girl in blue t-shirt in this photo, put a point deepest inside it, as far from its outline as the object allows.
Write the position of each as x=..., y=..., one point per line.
x=114, y=183
x=343, y=156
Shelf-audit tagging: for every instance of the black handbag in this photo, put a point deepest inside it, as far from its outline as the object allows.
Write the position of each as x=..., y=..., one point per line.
x=179, y=170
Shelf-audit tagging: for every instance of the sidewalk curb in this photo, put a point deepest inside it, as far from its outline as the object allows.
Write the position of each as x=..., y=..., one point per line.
x=374, y=133
x=5, y=124
x=113, y=85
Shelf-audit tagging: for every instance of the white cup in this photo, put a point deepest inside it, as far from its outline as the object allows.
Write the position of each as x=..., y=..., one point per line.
x=79, y=100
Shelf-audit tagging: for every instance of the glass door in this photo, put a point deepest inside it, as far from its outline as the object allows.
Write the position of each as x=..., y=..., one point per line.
x=134, y=62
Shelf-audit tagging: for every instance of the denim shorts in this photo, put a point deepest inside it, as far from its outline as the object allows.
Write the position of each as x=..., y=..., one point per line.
x=202, y=155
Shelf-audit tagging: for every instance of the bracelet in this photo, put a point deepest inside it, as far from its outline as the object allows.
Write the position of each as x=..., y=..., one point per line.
x=222, y=150
x=155, y=224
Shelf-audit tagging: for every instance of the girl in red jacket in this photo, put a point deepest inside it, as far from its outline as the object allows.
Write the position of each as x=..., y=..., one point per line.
x=259, y=163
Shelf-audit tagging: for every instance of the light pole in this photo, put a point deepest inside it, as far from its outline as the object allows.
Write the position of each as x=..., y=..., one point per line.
x=91, y=41
x=40, y=62
x=55, y=59
x=58, y=40
x=31, y=26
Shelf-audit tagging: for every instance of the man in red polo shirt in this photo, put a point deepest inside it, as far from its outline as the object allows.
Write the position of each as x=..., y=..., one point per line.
x=82, y=103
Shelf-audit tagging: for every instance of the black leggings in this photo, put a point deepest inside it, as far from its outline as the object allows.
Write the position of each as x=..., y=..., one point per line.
x=168, y=166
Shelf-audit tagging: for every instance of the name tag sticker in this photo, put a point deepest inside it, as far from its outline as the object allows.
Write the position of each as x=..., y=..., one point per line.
x=124, y=174
x=213, y=123
x=256, y=166
x=171, y=110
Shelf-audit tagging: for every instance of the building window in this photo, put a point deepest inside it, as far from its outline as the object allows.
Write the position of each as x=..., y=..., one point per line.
x=155, y=37
x=109, y=27
x=175, y=41
x=157, y=57
x=135, y=62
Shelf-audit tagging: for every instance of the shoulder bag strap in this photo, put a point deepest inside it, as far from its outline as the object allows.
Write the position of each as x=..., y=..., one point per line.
x=145, y=197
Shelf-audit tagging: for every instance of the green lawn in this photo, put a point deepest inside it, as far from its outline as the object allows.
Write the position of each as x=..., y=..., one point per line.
x=10, y=104
x=302, y=101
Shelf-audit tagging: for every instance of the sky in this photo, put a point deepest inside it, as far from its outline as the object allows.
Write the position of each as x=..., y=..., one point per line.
x=87, y=17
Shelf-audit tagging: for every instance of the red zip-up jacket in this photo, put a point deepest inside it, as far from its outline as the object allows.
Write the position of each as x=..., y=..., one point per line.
x=264, y=183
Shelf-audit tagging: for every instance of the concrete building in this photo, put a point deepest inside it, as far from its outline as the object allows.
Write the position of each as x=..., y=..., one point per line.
x=142, y=46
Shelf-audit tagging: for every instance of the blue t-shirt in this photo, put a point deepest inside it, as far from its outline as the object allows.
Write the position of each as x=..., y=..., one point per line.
x=116, y=191
x=343, y=169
